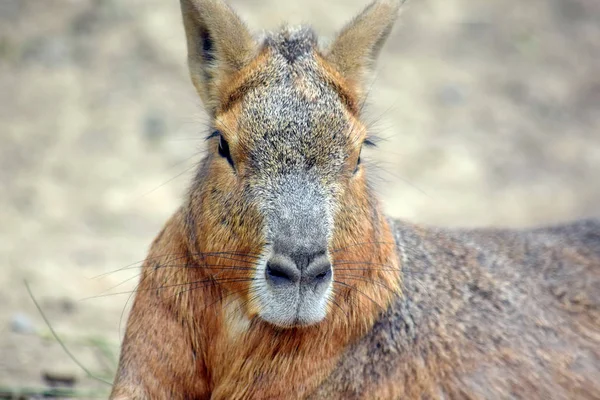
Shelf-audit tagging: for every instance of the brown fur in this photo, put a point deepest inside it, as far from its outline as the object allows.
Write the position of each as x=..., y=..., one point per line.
x=415, y=313
x=487, y=314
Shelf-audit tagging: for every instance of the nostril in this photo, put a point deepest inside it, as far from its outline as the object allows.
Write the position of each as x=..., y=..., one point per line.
x=323, y=274
x=273, y=271
x=279, y=274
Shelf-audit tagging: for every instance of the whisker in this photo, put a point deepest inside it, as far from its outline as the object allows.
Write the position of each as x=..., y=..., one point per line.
x=335, y=303
x=245, y=303
x=237, y=292
x=404, y=180
x=184, y=255
x=136, y=289
x=133, y=265
x=369, y=269
x=235, y=253
x=350, y=262
x=406, y=247
x=129, y=299
x=338, y=294
x=364, y=102
x=359, y=291
x=211, y=267
x=211, y=280
x=360, y=278
x=221, y=298
x=216, y=281
x=336, y=250
x=231, y=258
x=123, y=310
x=227, y=127
x=205, y=266
x=185, y=171
x=122, y=283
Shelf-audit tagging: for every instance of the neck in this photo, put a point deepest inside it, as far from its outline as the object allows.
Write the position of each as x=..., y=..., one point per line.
x=241, y=351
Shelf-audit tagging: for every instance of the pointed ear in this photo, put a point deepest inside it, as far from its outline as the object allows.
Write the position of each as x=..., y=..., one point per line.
x=219, y=44
x=357, y=46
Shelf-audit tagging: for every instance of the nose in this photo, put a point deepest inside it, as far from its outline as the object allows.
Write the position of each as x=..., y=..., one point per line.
x=298, y=269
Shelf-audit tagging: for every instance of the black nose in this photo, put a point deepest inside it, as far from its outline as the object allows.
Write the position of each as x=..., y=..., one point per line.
x=280, y=273
x=307, y=269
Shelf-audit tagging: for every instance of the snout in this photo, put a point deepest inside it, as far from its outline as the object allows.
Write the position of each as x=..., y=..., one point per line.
x=293, y=282
x=295, y=288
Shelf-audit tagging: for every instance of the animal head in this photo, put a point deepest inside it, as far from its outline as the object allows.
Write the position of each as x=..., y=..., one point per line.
x=282, y=191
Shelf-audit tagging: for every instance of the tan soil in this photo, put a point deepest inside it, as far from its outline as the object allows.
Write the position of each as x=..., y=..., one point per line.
x=489, y=110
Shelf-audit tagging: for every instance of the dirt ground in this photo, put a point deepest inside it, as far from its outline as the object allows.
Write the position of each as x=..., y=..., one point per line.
x=489, y=113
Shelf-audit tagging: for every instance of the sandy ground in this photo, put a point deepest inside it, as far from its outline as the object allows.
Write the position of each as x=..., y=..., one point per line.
x=489, y=111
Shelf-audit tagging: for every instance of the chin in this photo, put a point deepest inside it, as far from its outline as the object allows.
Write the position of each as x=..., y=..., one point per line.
x=289, y=323
x=294, y=317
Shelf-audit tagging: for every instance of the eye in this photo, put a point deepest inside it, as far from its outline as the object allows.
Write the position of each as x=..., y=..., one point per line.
x=224, y=150
x=368, y=142
x=357, y=165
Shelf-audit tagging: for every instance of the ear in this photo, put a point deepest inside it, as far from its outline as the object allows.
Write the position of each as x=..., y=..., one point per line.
x=354, y=51
x=219, y=44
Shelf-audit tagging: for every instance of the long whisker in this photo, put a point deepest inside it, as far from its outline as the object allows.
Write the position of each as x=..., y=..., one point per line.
x=335, y=303
x=181, y=256
x=217, y=267
x=250, y=290
x=234, y=253
x=137, y=290
x=119, y=284
x=129, y=299
x=359, y=291
x=204, y=266
x=363, y=279
x=211, y=267
x=124, y=308
x=349, y=262
x=185, y=171
x=369, y=269
x=226, y=257
x=247, y=301
x=406, y=247
x=133, y=264
x=221, y=298
x=365, y=100
x=336, y=250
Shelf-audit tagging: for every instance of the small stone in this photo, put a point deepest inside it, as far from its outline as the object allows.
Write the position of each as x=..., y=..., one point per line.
x=451, y=95
x=21, y=323
x=59, y=379
x=10, y=10
x=155, y=127
x=67, y=306
x=51, y=52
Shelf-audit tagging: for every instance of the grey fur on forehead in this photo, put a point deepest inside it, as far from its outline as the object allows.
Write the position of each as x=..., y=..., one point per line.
x=287, y=131
x=292, y=42
x=295, y=120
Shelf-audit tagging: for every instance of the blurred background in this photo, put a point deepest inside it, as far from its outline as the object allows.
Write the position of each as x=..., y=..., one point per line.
x=489, y=114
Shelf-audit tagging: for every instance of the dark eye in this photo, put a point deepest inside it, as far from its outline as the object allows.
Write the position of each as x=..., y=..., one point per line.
x=224, y=150
x=357, y=165
x=368, y=142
